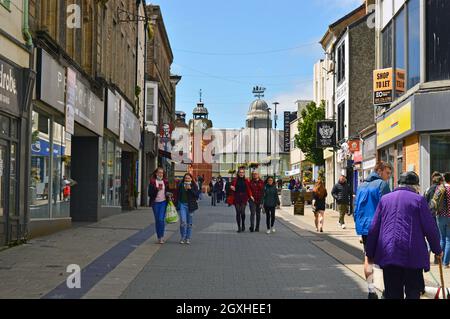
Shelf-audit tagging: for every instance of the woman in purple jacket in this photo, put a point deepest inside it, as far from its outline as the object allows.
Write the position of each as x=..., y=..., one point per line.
x=396, y=240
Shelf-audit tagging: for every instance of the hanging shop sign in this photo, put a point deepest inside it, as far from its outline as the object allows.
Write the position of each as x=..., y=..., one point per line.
x=354, y=145
x=382, y=86
x=287, y=132
x=326, y=134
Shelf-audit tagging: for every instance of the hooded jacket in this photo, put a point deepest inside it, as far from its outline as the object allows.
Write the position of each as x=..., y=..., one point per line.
x=397, y=235
x=367, y=198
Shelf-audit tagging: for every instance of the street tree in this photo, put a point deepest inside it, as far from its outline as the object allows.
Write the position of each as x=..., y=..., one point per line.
x=306, y=137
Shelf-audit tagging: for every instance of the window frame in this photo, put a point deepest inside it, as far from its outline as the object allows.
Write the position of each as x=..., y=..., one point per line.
x=6, y=4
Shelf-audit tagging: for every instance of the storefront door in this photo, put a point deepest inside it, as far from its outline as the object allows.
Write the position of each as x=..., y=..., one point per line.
x=3, y=193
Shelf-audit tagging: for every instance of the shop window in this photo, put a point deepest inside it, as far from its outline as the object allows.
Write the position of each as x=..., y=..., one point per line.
x=118, y=179
x=438, y=40
x=386, y=37
x=40, y=167
x=440, y=148
x=4, y=125
x=111, y=173
x=400, y=52
x=13, y=181
x=413, y=43
x=61, y=182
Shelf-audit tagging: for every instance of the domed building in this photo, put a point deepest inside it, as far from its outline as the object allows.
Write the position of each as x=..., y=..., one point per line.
x=258, y=115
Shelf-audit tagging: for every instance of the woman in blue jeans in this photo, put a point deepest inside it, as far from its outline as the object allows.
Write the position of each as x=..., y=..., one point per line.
x=158, y=191
x=187, y=195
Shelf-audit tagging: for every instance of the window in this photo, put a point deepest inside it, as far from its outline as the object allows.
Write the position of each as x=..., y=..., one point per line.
x=413, y=43
x=6, y=4
x=438, y=40
x=149, y=114
x=400, y=52
x=341, y=121
x=386, y=37
x=341, y=63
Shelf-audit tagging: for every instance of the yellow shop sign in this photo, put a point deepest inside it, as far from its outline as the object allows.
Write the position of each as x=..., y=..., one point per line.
x=394, y=125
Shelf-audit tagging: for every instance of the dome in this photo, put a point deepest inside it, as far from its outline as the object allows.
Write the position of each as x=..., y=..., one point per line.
x=258, y=109
x=200, y=109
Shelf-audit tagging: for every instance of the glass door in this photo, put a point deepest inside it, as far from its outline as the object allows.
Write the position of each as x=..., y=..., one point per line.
x=3, y=192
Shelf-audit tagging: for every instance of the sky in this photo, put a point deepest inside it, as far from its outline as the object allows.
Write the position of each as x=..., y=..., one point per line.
x=225, y=48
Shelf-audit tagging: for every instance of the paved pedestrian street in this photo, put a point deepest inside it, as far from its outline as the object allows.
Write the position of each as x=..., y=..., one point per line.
x=119, y=258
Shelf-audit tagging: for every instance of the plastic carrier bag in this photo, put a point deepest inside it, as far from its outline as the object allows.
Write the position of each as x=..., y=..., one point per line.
x=171, y=213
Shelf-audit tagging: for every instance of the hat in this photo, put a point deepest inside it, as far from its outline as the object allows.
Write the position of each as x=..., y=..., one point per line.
x=409, y=178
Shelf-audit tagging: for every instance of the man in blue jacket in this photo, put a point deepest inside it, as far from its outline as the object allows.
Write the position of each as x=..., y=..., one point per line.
x=367, y=198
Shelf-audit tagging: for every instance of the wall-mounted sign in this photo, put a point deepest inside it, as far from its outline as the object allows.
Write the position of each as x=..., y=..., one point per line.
x=287, y=132
x=132, y=129
x=113, y=112
x=394, y=125
x=354, y=145
x=11, y=87
x=51, y=84
x=89, y=109
x=400, y=80
x=70, y=100
x=382, y=86
x=326, y=134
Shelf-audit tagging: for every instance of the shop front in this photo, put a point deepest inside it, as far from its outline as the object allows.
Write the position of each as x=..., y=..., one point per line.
x=13, y=132
x=66, y=136
x=414, y=136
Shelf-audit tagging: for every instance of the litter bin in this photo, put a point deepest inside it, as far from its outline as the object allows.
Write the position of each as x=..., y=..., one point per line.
x=286, y=197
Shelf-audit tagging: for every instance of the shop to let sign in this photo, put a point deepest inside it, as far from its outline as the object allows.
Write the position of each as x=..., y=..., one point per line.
x=382, y=86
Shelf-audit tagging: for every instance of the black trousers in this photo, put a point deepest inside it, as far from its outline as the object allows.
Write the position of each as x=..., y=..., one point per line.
x=399, y=281
x=255, y=209
x=270, y=216
x=240, y=215
x=213, y=199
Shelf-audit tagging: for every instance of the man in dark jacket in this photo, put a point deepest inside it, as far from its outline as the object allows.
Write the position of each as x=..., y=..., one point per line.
x=341, y=193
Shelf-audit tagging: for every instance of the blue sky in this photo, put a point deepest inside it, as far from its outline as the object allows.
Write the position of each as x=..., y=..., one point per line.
x=227, y=47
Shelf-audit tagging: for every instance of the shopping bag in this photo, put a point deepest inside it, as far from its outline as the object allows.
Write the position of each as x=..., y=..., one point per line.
x=171, y=213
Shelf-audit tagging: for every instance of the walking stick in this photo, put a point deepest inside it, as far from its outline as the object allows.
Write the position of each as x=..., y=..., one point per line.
x=442, y=277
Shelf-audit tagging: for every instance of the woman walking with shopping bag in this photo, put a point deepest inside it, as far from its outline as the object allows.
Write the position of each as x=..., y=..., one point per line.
x=187, y=194
x=159, y=194
x=270, y=202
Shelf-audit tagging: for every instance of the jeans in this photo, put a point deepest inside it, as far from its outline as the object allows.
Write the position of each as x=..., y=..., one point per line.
x=270, y=217
x=186, y=222
x=255, y=209
x=240, y=215
x=159, y=210
x=399, y=281
x=444, y=230
x=213, y=198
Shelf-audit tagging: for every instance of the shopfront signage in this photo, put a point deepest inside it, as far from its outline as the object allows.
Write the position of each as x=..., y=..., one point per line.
x=70, y=101
x=89, y=109
x=132, y=130
x=10, y=87
x=369, y=147
x=354, y=145
x=113, y=112
x=394, y=125
x=326, y=134
x=51, y=84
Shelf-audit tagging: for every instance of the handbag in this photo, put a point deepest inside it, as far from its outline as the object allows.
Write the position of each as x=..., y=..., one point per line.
x=171, y=213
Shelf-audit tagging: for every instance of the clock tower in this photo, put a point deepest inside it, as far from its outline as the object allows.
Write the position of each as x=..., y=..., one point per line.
x=197, y=127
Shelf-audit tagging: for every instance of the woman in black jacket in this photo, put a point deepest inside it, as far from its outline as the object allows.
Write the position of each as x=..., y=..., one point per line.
x=270, y=202
x=187, y=196
x=319, y=196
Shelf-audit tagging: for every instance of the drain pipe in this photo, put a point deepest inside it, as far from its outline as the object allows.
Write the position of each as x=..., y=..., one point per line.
x=26, y=26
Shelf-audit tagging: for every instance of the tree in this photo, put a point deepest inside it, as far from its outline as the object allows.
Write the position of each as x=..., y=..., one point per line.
x=306, y=137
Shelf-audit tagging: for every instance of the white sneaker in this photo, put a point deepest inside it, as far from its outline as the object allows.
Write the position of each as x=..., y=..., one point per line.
x=182, y=242
x=273, y=230
x=343, y=226
x=188, y=242
x=268, y=231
